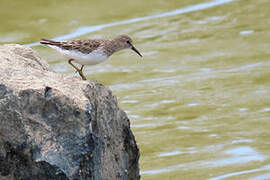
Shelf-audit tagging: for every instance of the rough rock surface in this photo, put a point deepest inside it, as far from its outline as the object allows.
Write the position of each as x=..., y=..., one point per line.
x=54, y=126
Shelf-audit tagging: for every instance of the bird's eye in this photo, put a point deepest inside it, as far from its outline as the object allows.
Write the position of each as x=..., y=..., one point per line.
x=128, y=42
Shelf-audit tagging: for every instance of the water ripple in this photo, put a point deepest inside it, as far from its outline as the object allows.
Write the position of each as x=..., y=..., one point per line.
x=264, y=168
x=88, y=29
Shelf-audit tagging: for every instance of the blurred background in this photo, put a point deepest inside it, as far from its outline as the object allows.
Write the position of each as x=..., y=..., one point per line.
x=199, y=99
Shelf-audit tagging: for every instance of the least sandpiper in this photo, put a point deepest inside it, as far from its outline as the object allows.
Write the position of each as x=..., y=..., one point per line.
x=90, y=51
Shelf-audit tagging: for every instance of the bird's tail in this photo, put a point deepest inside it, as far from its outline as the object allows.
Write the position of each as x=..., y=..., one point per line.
x=49, y=42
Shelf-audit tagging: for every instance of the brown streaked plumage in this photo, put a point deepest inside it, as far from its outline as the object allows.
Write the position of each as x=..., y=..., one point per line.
x=84, y=46
x=90, y=51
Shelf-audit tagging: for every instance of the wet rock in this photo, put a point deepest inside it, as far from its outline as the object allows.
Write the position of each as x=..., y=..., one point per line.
x=54, y=126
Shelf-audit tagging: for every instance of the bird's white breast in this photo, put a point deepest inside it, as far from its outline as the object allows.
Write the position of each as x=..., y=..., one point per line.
x=95, y=57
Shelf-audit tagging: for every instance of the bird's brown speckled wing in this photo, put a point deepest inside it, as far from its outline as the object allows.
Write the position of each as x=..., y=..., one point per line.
x=85, y=46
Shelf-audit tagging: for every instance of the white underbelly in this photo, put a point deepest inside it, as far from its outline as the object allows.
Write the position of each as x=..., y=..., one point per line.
x=95, y=57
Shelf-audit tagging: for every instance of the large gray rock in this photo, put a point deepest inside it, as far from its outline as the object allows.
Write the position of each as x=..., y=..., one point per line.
x=54, y=126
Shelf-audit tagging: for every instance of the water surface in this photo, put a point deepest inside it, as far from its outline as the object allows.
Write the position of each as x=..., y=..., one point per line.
x=198, y=101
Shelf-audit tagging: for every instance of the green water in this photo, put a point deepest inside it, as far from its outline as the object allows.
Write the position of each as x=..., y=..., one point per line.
x=199, y=99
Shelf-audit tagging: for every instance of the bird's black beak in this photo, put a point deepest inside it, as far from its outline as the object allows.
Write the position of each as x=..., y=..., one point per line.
x=134, y=49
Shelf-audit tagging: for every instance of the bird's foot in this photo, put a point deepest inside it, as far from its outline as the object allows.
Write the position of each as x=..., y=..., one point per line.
x=82, y=75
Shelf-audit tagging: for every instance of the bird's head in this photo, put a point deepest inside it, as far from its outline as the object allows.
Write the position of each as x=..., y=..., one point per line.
x=125, y=42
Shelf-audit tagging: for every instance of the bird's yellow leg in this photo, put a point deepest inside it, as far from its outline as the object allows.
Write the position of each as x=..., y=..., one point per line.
x=77, y=69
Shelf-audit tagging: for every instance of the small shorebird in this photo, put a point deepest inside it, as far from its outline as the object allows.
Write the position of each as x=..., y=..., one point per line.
x=90, y=51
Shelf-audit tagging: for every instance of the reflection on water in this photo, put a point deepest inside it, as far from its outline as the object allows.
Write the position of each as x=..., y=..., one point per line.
x=238, y=155
x=199, y=99
x=262, y=169
x=246, y=32
x=169, y=154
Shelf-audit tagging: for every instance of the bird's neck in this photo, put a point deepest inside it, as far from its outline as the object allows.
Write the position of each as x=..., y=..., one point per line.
x=113, y=46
